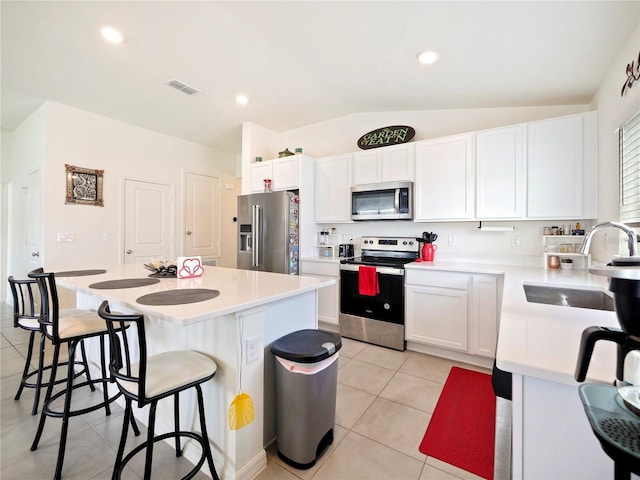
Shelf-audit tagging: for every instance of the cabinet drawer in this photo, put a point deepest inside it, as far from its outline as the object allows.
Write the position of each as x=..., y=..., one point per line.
x=459, y=281
x=319, y=268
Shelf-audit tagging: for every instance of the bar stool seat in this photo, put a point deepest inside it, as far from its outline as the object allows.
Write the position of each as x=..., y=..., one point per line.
x=151, y=379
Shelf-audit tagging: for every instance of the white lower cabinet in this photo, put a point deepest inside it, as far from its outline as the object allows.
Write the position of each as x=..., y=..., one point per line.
x=452, y=310
x=437, y=316
x=328, y=297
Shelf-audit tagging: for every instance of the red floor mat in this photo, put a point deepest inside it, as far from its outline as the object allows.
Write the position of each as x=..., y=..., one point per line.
x=461, y=431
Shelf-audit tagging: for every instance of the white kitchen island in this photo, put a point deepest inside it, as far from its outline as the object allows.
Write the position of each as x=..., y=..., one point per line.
x=258, y=306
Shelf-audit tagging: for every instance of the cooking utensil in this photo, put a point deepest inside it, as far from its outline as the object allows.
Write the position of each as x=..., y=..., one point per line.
x=429, y=237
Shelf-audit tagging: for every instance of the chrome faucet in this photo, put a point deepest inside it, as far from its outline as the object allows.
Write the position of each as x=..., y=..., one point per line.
x=632, y=240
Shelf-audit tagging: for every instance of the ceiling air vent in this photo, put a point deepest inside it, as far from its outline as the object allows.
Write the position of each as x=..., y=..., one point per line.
x=183, y=87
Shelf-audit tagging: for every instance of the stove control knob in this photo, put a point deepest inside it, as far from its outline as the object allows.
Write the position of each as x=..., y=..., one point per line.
x=386, y=306
x=404, y=243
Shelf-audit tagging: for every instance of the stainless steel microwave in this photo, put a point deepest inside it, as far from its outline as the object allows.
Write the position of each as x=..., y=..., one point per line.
x=382, y=201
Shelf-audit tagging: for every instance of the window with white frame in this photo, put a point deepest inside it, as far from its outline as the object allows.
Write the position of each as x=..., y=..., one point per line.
x=629, y=136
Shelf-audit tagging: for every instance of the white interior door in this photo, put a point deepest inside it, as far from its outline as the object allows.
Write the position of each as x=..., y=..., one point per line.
x=148, y=221
x=203, y=206
x=34, y=221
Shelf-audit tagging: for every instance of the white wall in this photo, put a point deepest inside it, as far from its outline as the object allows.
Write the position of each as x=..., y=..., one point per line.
x=5, y=173
x=27, y=154
x=341, y=134
x=79, y=138
x=613, y=110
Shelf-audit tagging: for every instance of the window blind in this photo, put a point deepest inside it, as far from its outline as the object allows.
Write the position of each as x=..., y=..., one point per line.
x=629, y=137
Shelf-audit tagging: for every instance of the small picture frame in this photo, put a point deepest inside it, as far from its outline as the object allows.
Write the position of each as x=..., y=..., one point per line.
x=189, y=267
x=84, y=186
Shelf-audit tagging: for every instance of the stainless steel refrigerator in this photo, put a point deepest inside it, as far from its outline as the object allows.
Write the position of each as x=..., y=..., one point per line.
x=268, y=232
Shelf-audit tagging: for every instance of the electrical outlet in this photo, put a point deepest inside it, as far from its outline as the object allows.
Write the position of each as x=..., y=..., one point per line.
x=453, y=239
x=252, y=349
x=515, y=240
x=66, y=238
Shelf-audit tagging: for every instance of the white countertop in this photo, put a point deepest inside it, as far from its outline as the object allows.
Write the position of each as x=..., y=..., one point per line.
x=239, y=290
x=543, y=340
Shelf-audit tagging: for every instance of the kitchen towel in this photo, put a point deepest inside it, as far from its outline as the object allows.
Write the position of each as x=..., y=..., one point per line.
x=368, y=281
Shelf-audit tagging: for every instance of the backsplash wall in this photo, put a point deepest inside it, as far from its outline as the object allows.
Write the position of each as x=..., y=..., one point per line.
x=457, y=240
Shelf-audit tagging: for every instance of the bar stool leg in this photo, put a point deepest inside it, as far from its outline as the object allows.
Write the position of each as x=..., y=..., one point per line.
x=52, y=381
x=86, y=365
x=128, y=415
x=150, y=435
x=36, y=400
x=67, y=408
x=27, y=365
x=205, y=436
x=176, y=419
x=103, y=370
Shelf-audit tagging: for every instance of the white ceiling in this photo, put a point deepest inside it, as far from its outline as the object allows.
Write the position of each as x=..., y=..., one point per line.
x=302, y=62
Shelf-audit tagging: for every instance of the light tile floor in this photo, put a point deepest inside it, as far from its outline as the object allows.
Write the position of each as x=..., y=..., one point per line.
x=384, y=403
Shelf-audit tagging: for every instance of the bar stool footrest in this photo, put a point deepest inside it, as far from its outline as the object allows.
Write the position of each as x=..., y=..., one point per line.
x=198, y=438
x=74, y=413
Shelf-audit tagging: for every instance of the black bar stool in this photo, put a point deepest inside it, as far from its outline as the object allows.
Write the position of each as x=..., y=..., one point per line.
x=24, y=293
x=70, y=329
x=151, y=379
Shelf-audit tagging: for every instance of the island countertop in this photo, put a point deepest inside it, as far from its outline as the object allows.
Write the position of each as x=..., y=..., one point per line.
x=239, y=290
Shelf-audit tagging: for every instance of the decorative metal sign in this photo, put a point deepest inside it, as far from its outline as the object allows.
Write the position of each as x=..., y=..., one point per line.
x=383, y=137
x=633, y=74
x=84, y=186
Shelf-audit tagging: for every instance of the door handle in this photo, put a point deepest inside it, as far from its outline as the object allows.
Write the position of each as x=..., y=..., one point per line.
x=35, y=254
x=188, y=232
x=129, y=252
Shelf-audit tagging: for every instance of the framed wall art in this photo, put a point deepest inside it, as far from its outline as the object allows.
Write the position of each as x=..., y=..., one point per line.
x=84, y=186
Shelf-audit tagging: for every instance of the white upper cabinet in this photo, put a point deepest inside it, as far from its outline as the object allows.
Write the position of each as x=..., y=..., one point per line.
x=385, y=164
x=285, y=173
x=500, y=173
x=444, y=184
x=259, y=172
x=333, y=189
x=562, y=167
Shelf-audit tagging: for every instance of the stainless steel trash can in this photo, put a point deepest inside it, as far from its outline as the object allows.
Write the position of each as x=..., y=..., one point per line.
x=306, y=366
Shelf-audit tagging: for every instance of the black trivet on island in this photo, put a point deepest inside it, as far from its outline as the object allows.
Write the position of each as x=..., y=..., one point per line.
x=178, y=297
x=79, y=273
x=124, y=283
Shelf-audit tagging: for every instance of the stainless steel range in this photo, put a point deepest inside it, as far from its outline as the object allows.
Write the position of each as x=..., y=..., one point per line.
x=376, y=318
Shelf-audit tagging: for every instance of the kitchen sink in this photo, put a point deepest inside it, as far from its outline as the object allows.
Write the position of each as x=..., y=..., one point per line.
x=566, y=296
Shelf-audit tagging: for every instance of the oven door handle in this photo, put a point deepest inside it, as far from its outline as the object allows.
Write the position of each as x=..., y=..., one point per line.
x=381, y=270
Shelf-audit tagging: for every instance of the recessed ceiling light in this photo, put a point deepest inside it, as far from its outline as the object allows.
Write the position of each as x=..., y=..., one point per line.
x=242, y=100
x=428, y=57
x=111, y=35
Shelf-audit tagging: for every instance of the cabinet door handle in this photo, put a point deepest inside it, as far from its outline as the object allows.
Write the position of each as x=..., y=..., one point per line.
x=129, y=252
x=188, y=232
x=35, y=254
